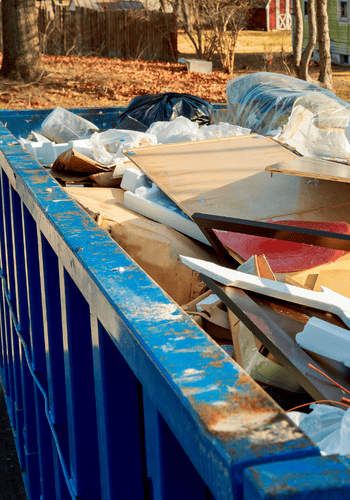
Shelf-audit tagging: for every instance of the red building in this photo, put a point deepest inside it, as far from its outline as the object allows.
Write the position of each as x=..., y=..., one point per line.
x=271, y=15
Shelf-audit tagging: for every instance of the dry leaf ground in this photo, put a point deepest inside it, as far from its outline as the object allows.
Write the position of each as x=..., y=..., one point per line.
x=73, y=81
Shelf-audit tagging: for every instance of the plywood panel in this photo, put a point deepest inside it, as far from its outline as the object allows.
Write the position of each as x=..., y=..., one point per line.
x=313, y=168
x=197, y=173
x=337, y=280
x=227, y=177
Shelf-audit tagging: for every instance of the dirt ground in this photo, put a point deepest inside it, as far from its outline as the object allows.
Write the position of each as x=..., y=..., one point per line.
x=92, y=81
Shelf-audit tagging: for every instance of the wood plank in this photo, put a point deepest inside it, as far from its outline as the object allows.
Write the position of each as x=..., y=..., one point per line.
x=227, y=177
x=337, y=280
x=327, y=300
x=309, y=277
x=274, y=327
x=313, y=168
x=196, y=174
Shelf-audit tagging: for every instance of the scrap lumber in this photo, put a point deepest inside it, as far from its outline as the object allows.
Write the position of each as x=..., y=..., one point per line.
x=261, y=321
x=227, y=177
x=326, y=300
x=314, y=168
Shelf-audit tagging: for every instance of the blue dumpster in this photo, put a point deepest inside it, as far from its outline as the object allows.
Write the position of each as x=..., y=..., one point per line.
x=113, y=391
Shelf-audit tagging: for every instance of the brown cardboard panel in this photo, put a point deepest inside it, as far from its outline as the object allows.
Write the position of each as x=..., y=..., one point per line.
x=155, y=247
x=72, y=161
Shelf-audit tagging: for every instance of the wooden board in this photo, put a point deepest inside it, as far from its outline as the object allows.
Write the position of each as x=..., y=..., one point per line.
x=204, y=175
x=309, y=277
x=336, y=280
x=227, y=177
x=313, y=168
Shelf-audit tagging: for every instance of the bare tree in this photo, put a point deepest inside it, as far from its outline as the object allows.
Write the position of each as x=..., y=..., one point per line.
x=21, y=53
x=307, y=53
x=324, y=45
x=298, y=33
x=213, y=26
x=227, y=21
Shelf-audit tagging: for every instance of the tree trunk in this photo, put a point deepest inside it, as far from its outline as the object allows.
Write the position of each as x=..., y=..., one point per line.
x=306, y=56
x=298, y=35
x=324, y=45
x=20, y=34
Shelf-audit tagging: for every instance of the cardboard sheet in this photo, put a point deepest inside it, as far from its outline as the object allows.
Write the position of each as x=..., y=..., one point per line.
x=155, y=247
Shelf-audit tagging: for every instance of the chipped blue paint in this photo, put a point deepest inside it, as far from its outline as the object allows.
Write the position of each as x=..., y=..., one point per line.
x=317, y=477
x=139, y=401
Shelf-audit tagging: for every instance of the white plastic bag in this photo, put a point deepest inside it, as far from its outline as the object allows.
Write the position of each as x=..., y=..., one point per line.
x=181, y=129
x=327, y=426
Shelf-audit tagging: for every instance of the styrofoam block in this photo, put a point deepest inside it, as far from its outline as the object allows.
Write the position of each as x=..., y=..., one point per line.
x=46, y=152
x=81, y=146
x=159, y=210
x=133, y=179
x=325, y=339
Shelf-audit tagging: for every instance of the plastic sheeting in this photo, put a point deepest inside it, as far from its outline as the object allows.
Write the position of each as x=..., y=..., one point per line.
x=310, y=119
x=327, y=426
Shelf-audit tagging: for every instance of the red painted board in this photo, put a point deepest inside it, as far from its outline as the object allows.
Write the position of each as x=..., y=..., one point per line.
x=286, y=256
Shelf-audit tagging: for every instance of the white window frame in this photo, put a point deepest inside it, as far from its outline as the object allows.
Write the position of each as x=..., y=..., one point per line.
x=345, y=18
x=305, y=16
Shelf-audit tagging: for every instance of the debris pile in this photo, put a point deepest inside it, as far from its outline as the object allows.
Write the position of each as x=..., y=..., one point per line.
x=242, y=215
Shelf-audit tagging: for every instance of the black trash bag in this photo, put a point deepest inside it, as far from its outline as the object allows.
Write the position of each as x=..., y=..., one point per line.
x=151, y=108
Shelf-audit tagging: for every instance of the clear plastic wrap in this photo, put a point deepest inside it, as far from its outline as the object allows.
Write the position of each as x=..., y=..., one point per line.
x=312, y=120
x=182, y=129
x=327, y=426
x=62, y=125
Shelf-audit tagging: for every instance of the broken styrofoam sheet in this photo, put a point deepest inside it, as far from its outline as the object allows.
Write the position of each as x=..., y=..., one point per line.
x=144, y=197
x=154, y=204
x=47, y=151
x=181, y=129
x=326, y=300
x=325, y=339
x=309, y=140
x=327, y=426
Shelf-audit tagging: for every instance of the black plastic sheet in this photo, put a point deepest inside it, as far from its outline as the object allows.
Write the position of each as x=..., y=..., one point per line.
x=152, y=108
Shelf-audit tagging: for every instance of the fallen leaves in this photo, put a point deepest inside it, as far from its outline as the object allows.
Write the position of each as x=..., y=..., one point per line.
x=93, y=81
x=72, y=81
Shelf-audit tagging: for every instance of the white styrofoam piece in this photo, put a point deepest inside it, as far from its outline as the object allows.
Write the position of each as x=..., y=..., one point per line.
x=326, y=300
x=158, y=207
x=326, y=339
x=46, y=151
x=81, y=146
x=133, y=179
x=40, y=137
